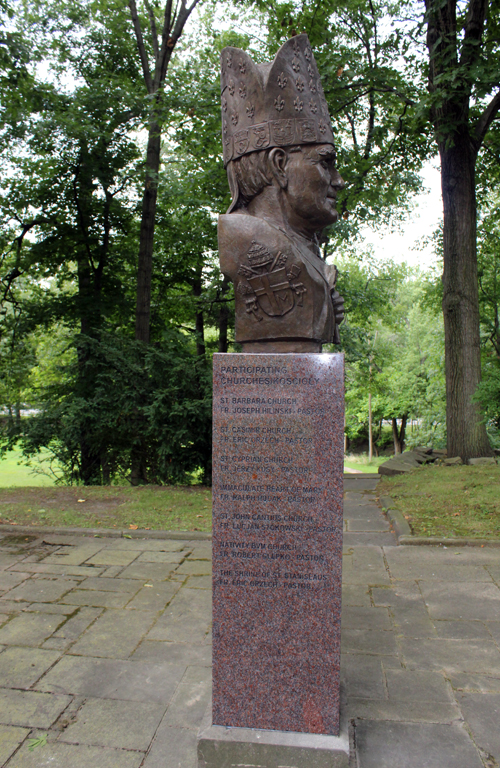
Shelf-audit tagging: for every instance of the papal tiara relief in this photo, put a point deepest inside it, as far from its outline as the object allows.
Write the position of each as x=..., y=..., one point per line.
x=276, y=104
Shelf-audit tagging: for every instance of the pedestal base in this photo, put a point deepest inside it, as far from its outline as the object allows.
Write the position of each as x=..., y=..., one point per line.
x=221, y=747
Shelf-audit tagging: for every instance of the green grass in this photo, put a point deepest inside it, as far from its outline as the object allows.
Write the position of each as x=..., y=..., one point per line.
x=29, y=498
x=176, y=508
x=457, y=501
x=13, y=473
x=361, y=463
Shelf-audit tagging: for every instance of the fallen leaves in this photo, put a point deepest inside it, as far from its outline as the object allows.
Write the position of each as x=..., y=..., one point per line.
x=133, y=527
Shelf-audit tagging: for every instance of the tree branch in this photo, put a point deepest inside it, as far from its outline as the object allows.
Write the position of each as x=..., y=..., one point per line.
x=473, y=33
x=140, y=45
x=485, y=120
x=154, y=33
x=170, y=37
x=165, y=39
x=371, y=125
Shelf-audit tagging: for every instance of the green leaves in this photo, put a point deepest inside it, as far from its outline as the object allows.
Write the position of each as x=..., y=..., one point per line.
x=40, y=741
x=394, y=350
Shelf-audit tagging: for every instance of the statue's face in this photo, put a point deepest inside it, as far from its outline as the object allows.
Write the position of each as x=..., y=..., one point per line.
x=312, y=186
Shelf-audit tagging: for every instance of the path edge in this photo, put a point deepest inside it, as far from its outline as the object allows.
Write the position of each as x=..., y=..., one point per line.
x=406, y=538
x=109, y=533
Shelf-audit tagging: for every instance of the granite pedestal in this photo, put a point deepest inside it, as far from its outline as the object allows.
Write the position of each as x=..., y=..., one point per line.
x=277, y=541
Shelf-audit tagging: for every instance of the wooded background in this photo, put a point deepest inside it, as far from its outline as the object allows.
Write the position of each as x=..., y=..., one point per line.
x=112, y=301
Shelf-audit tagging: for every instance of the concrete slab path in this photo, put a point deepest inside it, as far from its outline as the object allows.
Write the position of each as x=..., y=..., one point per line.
x=105, y=649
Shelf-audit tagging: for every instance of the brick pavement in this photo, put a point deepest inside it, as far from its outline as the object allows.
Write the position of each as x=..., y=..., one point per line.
x=105, y=648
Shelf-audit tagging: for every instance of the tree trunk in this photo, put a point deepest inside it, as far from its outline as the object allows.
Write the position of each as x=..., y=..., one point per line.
x=466, y=433
x=399, y=435
x=370, y=430
x=223, y=317
x=138, y=472
x=88, y=303
x=395, y=435
x=199, y=320
x=147, y=231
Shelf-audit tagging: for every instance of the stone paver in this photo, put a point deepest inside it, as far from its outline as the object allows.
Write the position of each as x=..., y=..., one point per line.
x=173, y=748
x=30, y=708
x=416, y=706
x=41, y=590
x=482, y=712
x=414, y=745
x=21, y=667
x=105, y=644
x=10, y=739
x=57, y=755
x=160, y=557
x=97, y=598
x=114, y=557
x=115, y=723
x=154, y=597
x=30, y=628
x=148, y=571
x=114, y=679
x=115, y=634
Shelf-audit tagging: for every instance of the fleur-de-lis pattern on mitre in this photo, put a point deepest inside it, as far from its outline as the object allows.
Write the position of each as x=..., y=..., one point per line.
x=282, y=80
x=322, y=126
x=282, y=108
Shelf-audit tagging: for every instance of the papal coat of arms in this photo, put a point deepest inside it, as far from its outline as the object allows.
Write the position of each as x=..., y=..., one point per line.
x=268, y=286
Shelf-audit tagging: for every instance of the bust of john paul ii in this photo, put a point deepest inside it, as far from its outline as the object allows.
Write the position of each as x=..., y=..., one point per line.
x=280, y=161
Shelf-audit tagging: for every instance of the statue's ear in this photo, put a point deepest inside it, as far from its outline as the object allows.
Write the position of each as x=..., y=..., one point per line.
x=277, y=163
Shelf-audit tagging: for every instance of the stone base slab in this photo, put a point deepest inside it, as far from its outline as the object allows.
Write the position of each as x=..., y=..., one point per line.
x=223, y=747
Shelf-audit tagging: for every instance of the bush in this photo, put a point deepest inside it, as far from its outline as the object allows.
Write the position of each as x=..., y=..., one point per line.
x=122, y=404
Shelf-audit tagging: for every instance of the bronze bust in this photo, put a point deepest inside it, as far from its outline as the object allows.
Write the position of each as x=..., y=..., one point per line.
x=280, y=160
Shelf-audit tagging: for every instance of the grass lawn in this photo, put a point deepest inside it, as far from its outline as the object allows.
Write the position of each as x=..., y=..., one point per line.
x=28, y=498
x=458, y=501
x=150, y=507
x=13, y=473
x=361, y=464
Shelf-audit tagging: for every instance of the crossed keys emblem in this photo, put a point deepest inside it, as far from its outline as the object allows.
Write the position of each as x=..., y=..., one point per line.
x=269, y=287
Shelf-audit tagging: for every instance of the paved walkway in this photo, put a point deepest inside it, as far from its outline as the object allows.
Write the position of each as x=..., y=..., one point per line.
x=105, y=649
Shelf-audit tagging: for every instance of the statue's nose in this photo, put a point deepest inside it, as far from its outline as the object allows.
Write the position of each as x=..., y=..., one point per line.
x=337, y=181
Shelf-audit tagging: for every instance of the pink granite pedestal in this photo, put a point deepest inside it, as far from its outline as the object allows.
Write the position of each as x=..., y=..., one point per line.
x=277, y=541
